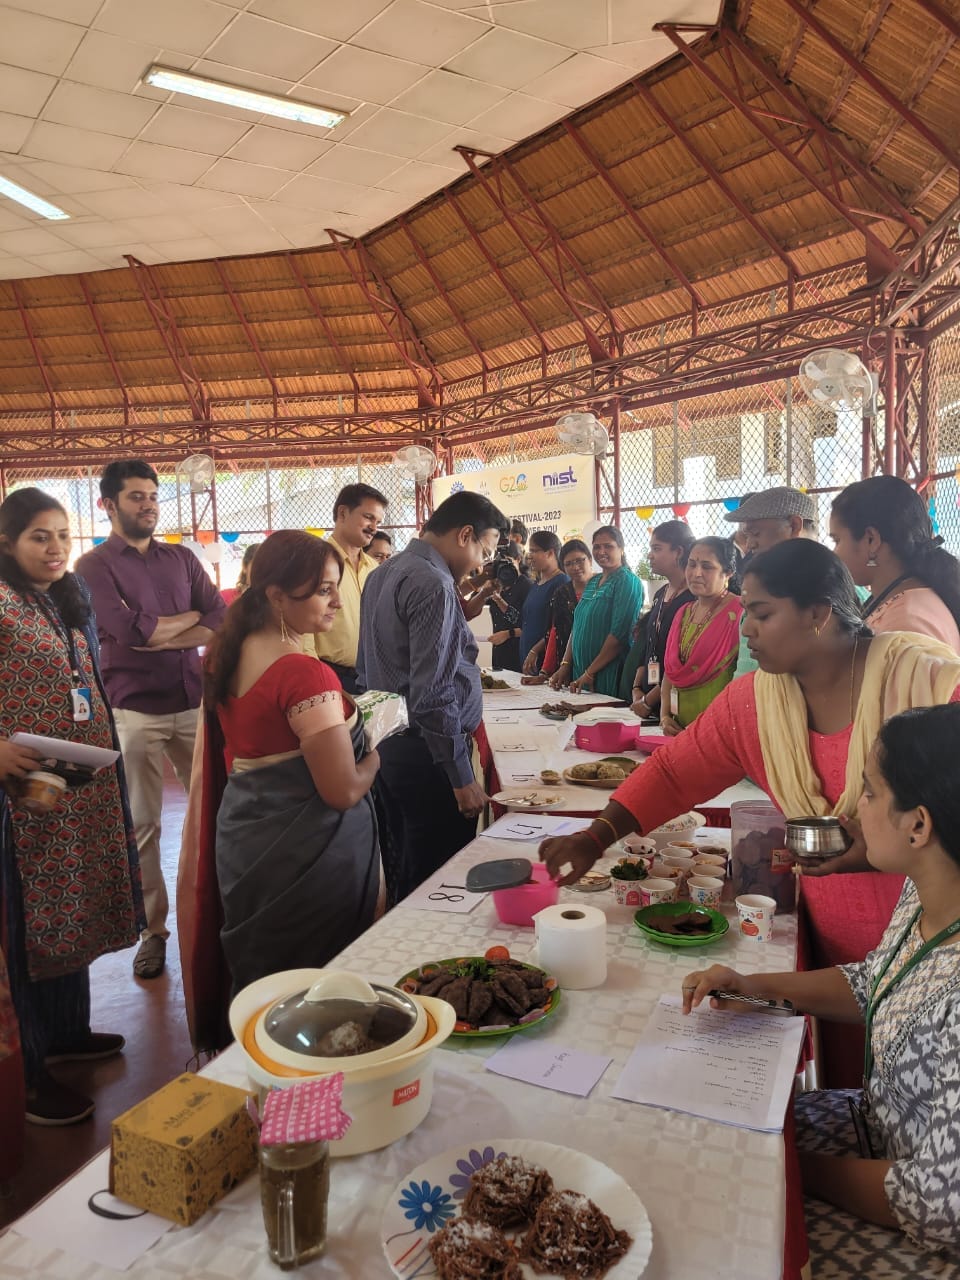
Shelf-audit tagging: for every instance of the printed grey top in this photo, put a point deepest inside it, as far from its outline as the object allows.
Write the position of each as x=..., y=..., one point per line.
x=914, y=1088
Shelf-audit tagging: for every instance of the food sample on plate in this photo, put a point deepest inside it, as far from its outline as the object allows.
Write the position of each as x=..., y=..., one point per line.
x=690, y=923
x=573, y=1238
x=488, y=681
x=471, y=1250
x=550, y=777
x=592, y=882
x=609, y=769
x=507, y=1192
x=486, y=994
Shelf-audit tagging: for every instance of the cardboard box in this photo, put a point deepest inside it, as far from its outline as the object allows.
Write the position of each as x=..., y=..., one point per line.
x=183, y=1148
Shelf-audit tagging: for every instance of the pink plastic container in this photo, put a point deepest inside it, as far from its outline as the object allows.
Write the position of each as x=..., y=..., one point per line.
x=607, y=736
x=520, y=905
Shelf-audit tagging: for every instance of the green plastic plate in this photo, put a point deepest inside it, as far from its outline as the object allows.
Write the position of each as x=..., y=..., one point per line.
x=487, y=1033
x=720, y=925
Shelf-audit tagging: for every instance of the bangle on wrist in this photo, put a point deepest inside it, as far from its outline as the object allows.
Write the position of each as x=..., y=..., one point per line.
x=597, y=841
x=607, y=823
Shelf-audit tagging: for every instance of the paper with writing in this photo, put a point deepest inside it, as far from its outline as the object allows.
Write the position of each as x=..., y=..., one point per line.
x=549, y=1065
x=534, y=827
x=737, y=1069
x=444, y=893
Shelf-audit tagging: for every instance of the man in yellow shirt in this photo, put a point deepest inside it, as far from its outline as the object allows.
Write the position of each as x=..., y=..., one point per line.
x=357, y=514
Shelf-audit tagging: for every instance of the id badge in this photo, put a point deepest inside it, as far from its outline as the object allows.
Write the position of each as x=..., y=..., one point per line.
x=653, y=673
x=81, y=704
x=674, y=701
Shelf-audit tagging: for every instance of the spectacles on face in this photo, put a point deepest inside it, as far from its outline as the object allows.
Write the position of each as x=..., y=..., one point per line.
x=576, y=562
x=485, y=551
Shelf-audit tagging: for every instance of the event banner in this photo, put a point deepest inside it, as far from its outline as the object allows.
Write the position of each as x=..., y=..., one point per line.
x=553, y=493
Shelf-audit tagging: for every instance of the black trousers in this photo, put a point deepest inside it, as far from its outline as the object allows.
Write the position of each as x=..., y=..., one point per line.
x=426, y=828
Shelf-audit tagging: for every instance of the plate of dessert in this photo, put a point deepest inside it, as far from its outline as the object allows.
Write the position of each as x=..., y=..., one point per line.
x=495, y=684
x=515, y=1208
x=492, y=995
x=681, y=924
x=606, y=774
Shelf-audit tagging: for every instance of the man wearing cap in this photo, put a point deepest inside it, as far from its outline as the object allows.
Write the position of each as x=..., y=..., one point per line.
x=765, y=519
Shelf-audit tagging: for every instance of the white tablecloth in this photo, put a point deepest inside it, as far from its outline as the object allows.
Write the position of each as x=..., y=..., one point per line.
x=715, y=1195
x=519, y=771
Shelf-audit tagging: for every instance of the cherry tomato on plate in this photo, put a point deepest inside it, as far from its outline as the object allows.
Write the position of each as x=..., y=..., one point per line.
x=496, y=953
x=464, y=1026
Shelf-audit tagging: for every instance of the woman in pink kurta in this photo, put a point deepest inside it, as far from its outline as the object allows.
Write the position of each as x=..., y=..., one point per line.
x=884, y=535
x=801, y=727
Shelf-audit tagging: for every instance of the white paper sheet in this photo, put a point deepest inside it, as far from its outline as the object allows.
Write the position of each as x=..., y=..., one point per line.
x=65, y=1221
x=543, y=738
x=61, y=749
x=534, y=827
x=737, y=1069
x=549, y=1065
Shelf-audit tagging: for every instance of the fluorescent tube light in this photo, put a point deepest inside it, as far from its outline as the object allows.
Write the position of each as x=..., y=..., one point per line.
x=248, y=99
x=36, y=203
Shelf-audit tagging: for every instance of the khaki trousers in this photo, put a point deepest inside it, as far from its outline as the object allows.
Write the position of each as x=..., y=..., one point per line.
x=144, y=741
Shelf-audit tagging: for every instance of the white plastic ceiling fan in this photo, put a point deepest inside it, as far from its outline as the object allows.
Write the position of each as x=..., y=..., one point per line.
x=839, y=380
x=584, y=433
x=196, y=470
x=415, y=462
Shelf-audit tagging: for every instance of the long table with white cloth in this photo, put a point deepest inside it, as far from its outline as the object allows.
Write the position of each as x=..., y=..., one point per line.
x=714, y=1193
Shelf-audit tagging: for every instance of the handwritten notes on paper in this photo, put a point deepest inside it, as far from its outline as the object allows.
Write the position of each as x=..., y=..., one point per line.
x=737, y=1069
x=551, y=1066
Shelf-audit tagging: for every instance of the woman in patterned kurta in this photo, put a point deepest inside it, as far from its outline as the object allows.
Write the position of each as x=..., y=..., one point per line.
x=69, y=879
x=890, y=1156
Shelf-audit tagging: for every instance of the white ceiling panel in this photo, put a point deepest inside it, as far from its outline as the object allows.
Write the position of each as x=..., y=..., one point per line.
x=37, y=43
x=420, y=32
x=24, y=92
x=100, y=109
x=450, y=98
x=188, y=26
x=322, y=17
x=373, y=76
x=163, y=177
x=196, y=130
x=257, y=44
x=277, y=147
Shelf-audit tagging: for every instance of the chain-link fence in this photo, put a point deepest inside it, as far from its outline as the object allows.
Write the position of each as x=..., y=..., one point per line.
x=240, y=508
x=944, y=381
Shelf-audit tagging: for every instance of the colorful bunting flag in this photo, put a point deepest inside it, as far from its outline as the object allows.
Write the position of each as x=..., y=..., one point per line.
x=644, y=513
x=680, y=510
x=174, y=538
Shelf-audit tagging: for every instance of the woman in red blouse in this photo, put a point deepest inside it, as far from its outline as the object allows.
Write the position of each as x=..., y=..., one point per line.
x=297, y=858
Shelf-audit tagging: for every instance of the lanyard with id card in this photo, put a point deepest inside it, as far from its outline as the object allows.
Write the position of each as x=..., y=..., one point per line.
x=81, y=698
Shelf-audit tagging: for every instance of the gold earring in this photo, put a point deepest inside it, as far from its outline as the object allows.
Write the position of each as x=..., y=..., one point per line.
x=284, y=633
x=816, y=632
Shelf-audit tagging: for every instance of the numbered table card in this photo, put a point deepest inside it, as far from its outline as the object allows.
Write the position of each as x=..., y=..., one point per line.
x=534, y=827
x=444, y=892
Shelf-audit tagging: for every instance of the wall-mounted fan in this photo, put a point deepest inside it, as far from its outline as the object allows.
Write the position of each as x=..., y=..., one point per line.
x=416, y=462
x=584, y=433
x=196, y=470
x=839, y=380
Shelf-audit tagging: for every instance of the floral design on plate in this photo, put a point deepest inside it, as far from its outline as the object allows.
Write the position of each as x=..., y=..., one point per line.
x=426, y=1206
x=475, y=1160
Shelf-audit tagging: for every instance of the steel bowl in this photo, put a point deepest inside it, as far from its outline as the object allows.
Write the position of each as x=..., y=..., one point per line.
x=816, y=839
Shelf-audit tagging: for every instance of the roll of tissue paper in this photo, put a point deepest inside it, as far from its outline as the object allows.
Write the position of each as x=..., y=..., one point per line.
x=572, y=945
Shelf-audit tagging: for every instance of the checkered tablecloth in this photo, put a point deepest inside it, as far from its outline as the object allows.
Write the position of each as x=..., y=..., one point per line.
x=715, y=1195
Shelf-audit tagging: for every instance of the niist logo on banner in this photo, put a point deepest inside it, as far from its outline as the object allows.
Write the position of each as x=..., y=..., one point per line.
x=556, y=479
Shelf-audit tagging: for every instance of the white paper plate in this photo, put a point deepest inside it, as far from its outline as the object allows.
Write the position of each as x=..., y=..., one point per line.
x=430, y=1195
x=530, y=800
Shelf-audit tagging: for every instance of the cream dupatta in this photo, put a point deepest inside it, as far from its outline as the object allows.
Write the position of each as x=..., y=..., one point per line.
x=902, y=671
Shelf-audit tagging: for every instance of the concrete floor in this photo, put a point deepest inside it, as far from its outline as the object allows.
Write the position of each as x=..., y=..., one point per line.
x=150, y=1015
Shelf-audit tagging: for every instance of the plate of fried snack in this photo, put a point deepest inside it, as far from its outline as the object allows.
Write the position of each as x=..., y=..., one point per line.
x=512, y=1209
x=492, y=994
x=606, y=773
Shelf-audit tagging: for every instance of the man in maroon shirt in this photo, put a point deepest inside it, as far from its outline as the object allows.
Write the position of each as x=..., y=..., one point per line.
x=154, y=605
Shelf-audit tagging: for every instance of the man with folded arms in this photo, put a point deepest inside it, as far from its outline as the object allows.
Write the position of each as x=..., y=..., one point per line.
x=155, y=606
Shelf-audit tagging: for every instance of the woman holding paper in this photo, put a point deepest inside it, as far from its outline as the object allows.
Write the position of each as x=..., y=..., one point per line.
x=893, y=1160
x=69, y=878
x=297, y=858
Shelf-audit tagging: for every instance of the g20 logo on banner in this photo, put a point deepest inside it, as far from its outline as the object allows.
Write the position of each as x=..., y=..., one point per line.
x=513, y=484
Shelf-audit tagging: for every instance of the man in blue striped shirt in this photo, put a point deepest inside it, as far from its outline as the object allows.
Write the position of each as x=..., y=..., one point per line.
x=414, y=640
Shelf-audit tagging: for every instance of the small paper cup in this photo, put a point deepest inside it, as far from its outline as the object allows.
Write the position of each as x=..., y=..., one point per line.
x=627, y=892
x=681, y=848
x=639, y=846
x=714, y=859
x=655, y=891
x=756, y=916
x=42, y=791
x=660, y=871
x=682, y=860
x=705, y=891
